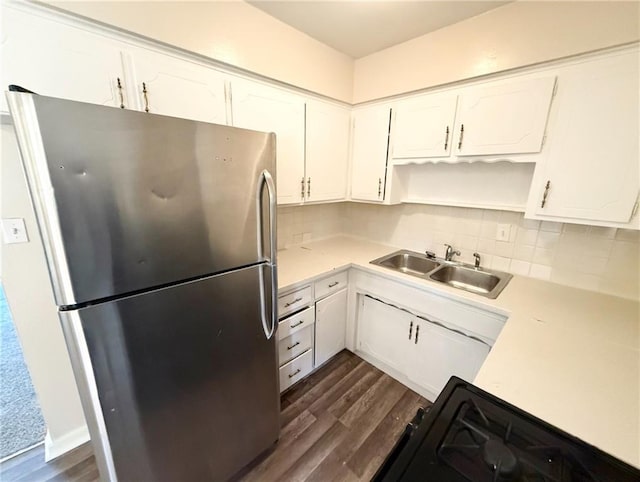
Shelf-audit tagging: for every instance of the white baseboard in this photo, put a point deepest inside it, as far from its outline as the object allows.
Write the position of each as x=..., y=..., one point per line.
x=67, y=442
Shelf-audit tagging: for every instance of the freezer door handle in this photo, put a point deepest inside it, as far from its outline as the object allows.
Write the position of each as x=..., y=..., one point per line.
x=267, y=180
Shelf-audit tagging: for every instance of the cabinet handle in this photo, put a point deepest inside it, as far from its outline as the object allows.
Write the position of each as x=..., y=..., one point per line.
x=297, y=324
x=461, y=136
x=545, y=194
x=293, y=346
x=302, y=188
x=335, y=283
x=294, y=373
x=120, y=94
x=146, y=99
x=417, y=333
x=446, y=138
x=297, y=300
x=309, y=188
x=410, y=329
x=379, y=186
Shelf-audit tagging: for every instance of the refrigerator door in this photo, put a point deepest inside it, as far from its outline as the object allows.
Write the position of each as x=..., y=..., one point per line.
x=181, y=383
x=127, y=200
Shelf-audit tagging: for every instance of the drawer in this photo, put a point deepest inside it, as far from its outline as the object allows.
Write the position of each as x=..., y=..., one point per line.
x=330, y=284
x=291, y=346
x=295, y=370
x=294, y=301
x=297, y=322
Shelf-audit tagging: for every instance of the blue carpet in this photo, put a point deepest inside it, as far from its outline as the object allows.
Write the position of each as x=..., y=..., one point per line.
x=21, y=422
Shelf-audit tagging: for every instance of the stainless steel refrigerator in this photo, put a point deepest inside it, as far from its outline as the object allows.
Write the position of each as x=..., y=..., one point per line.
x=160, y=236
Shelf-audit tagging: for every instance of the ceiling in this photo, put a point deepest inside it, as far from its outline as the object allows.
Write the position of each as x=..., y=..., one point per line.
x=361, y=27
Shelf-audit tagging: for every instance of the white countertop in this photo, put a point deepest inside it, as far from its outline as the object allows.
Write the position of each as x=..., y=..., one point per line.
x=568, y=356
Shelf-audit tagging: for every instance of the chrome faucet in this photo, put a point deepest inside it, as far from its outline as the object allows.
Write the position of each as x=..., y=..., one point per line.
x=477, y=263
x=450, y=253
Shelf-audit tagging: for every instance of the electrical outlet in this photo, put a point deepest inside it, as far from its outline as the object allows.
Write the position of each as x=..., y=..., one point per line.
x=503, y=232
x=14, y=231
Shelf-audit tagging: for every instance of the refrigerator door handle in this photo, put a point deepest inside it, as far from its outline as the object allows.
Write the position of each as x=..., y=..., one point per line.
x=267, y=180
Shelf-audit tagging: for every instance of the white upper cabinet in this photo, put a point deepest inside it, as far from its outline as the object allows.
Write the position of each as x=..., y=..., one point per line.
x=423, y=126
x=503, y=118
x=327, y=151
x=55, y=60
x=258, y=107
x=592, y=169
x=369, y=154
x=170, y=86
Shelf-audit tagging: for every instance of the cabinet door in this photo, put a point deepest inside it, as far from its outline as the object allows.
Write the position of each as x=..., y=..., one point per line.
x=179, y=88
x=507, y=118
x=331, y=321
x=327, y=151
x=262, y=108
x=438, y=353
x=592, y=168
x=58, y=61
x=369, y=155
x=423, y=127
x=385, y=333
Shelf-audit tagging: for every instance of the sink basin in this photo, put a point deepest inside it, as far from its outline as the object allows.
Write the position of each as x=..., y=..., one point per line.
x=484, y=283
x=408, y=262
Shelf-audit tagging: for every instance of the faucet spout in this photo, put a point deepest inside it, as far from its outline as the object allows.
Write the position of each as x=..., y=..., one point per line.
x=450, y=253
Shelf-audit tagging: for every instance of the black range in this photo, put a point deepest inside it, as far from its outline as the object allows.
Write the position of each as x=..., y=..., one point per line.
x=471, y=435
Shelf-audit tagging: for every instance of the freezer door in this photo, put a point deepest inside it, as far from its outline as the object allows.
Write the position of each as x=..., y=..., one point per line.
x=178, y=384
x=127, y=200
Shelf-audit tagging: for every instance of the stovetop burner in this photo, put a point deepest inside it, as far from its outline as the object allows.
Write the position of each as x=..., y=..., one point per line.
x=470, y=435
x=500, y=459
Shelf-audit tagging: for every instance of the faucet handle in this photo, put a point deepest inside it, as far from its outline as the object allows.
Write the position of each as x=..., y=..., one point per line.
x=477, y=257
x=430, y=254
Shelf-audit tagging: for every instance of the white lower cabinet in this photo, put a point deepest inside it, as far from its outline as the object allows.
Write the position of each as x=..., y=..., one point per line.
x=385, y=333
x=295, y=370
x=439, y=353
x=331, y=319
x=415, y=349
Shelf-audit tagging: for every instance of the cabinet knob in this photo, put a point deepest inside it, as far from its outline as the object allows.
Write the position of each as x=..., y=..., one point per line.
x=120, y=94
x=417, y=333
x=379, y=186
x=302, y=188
x=446, y=138
x=545, y=194
x=308, y=188
x=461, y=136
x=146, y=98
x=410, y=329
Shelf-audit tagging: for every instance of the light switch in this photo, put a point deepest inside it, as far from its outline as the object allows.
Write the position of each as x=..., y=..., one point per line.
x=503, y=232
x=14, y=231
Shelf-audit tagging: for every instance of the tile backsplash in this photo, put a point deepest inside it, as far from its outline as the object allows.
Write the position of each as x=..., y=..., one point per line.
x=594, y=258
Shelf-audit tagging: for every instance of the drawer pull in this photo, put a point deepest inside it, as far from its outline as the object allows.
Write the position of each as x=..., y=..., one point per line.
x=297, y=300
x=297, y=324
x=335, y=283
x=294, y=373
x=293, y=346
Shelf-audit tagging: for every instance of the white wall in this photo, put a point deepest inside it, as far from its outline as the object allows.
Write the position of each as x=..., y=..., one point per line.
x=233, y=32
x=514, y=35
x=30, y=297
x=606, y=260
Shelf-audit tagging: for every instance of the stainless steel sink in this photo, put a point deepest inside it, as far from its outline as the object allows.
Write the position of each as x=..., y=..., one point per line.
x=481, y=281
x=408, y=262
x=475, y=280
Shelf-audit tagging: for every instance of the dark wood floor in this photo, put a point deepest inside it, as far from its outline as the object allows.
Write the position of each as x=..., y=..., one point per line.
x=338, y=424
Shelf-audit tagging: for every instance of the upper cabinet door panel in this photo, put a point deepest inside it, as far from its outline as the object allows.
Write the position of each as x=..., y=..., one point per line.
x=262, y=108
x=179, y=88
x=369, y=155
x=593, y=167
x=508, y=118
x=327, y=151
x=423, y=126
x=68, y=63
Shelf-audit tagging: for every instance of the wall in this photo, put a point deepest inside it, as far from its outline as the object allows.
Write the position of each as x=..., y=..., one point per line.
x=233, y=32
x=514, y=35
x=28, y=288
x=598, y=259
